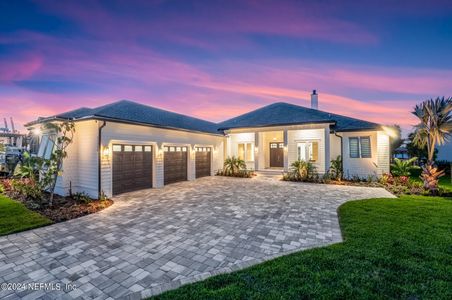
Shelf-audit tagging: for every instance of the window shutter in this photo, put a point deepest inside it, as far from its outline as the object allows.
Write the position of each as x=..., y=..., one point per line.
x=241, y=152
x=249, y=152
x=366, y=151
x=354, y=147
x=315, y=151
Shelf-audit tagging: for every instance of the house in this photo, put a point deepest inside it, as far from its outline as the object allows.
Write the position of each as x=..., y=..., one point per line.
x=126, y=146
x=445, y=152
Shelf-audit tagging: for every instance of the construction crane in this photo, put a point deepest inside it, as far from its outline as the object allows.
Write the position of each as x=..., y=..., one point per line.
x=12, y=125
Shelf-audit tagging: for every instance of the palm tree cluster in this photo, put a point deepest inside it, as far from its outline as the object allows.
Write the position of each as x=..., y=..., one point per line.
x=233, y=165
x=434, y=128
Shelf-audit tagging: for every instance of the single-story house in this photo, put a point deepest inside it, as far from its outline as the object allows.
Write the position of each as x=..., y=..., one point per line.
x=126, y=146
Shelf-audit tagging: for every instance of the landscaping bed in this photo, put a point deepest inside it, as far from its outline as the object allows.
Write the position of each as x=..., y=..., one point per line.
x=392, y=249
x=61, y=209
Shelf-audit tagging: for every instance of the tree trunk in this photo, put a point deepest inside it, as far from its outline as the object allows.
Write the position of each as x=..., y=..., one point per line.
x=53, y=185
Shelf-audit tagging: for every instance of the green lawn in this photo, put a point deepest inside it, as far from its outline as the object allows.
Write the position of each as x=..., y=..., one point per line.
x=394, y=248
x=15, y=217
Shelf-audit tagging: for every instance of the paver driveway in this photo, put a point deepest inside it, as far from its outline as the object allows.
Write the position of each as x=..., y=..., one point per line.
x=158, y=239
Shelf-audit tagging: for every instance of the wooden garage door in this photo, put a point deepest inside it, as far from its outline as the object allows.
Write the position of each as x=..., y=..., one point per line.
x=175, y=164
x=203, y=161
x=132, y=168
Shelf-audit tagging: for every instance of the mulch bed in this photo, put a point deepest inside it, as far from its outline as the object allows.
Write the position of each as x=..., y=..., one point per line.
x=74, y=210
x=64, y=207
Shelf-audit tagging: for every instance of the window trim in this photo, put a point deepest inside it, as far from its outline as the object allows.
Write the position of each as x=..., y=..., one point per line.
x=245, y=151
x=350, y=147
x=310, y=141
x=360, y=145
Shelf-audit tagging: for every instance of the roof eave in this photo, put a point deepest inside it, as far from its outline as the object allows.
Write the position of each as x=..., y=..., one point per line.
x=277, y=125
x=376, y=128
x=45, y=120
x=116, y=120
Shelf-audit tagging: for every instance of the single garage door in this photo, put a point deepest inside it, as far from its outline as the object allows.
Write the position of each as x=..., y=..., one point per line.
x=175, y=164
x=132, y=168
x=203, y=161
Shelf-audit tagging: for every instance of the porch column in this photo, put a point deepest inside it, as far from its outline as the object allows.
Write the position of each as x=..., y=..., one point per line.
x=256, y=151
x=327, y=149
x=286, y=152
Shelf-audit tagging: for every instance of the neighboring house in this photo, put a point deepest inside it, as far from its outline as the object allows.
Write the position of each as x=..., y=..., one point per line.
x=445, y=152
x=126, y=146
x=402, y=151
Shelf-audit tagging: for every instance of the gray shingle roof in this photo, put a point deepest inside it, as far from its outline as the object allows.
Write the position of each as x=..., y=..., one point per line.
x=289, y=114
x=276, y=114
x=130, y=111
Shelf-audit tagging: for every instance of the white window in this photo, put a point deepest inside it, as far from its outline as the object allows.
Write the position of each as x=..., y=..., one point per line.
x=308, y=151
x=47, y=146
x=360, y=147
x=366, y=151
x=246, y=151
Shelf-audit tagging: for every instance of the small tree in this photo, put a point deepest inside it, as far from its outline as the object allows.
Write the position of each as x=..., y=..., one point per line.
x=403, y=167
x=53, y=167
x=232, y=165
x=434, y=128
x=303, y=170
x=336, y=171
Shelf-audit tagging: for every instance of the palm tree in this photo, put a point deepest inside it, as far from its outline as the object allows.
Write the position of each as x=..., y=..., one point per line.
x=232, y=165
x=403, y=167
x=302, y=170
x=434, y=128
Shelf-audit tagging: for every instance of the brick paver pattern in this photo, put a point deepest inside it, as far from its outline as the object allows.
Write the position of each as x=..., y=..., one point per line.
x=158, y=239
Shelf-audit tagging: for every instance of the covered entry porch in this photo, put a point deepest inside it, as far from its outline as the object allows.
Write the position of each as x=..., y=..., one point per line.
x=266, y=149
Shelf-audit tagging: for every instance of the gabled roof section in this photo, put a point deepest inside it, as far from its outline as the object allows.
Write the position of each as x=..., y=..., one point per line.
x=281, y=113
x=132, y=112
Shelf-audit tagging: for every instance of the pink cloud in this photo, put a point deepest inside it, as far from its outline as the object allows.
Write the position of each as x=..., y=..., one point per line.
x=20, y=68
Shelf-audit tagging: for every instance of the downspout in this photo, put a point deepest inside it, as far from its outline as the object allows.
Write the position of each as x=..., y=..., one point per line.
x=342, y=152
x=99, y=160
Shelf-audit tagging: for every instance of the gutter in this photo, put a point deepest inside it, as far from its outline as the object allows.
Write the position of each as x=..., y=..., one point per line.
x=99, y=160
x=342, y=152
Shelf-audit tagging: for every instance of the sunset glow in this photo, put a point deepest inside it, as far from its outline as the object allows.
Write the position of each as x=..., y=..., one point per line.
x=215, y=60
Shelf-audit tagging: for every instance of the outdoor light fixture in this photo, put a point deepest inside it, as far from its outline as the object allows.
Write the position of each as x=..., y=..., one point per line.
x=37, y=131
x=105, y=152
x=390, y=131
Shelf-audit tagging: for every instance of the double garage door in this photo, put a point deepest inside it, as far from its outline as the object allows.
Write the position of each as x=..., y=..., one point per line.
x=132, y=166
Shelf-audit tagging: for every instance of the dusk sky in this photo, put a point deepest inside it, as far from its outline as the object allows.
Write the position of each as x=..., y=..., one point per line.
x=218, y=59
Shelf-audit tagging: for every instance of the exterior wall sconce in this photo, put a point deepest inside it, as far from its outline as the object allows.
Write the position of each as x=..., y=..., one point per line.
x=105, y=152
x=37, y=131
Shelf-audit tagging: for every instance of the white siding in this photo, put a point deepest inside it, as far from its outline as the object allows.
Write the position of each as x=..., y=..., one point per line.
x=236, y=138
x=383, y=153
x=335, y=146
x=445, y=152
x=296, y=136
x=158, y=137
x=364, y=167
x=80, y=165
